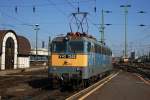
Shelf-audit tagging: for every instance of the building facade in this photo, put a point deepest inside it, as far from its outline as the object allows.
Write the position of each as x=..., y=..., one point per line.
x=41, y=59
x=14, y=50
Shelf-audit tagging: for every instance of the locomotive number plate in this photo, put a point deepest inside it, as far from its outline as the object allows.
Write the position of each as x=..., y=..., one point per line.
x=69, y=56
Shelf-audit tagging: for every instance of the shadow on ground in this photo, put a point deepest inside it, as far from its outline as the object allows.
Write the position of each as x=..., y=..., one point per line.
x=43, y=83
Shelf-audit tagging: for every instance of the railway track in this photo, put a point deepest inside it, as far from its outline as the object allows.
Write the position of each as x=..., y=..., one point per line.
x=35, y=86
x=27, y=86
x=31, y=86
x=136, y=68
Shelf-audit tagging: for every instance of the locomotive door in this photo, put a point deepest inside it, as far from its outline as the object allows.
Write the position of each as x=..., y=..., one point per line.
x=9, y=54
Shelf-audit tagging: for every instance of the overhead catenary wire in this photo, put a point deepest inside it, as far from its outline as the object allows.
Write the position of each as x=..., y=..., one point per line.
x=57, y=5
x=12, y=17
x=17, y=19
x=71, y=5
x=58, y=9
x=43, y=4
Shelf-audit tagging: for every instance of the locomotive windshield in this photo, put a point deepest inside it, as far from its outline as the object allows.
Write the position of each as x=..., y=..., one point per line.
x=76, y=46
x=70, y=46
x=59, y=47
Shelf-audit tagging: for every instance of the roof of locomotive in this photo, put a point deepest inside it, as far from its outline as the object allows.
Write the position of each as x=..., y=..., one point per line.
x=78, y=37
x=74, y=37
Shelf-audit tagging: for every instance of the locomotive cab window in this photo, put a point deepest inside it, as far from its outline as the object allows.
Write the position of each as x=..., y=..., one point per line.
x=76, y=46
x=59, y=47
x=89, y=47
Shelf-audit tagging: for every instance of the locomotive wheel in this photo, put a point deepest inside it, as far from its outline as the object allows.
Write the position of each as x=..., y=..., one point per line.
x=82, y=84
x=76, y=84
x=86, y=83
x=54, y=81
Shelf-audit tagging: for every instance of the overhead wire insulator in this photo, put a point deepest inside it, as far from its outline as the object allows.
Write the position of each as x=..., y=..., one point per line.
x=141, y=12
x=141, y=25
x=95, y=6
x=78, y=9
x=33, y=9
x=108, y=24
x=95, y=9
x=16, y=9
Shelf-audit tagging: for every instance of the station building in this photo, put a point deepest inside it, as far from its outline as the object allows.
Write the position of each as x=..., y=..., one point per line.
x=41, y=59
x=14, y=50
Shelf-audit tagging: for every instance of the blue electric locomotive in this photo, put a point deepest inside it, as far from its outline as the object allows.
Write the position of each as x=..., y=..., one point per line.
x=77, y=58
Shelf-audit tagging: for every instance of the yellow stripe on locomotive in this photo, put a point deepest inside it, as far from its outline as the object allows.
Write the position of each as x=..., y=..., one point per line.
x=70, y=60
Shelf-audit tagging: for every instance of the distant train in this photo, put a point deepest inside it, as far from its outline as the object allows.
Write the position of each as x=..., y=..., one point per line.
x=78, y=58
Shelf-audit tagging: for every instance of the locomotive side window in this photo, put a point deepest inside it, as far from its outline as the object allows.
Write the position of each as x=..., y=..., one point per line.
x=89, y=47
x=59, y=47
x=98, y=49
x=76, y=46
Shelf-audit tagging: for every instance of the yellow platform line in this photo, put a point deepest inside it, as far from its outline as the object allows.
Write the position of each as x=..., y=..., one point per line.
x=98, y=87
x=87, y=89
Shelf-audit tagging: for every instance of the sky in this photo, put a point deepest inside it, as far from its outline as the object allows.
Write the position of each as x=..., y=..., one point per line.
x=54, y=16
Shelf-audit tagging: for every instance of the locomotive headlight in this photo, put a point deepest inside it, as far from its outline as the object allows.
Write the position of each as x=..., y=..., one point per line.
x=77, y=69
x=66, y=39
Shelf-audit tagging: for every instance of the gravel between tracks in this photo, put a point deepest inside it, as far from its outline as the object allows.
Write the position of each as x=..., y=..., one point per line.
x=29, y=86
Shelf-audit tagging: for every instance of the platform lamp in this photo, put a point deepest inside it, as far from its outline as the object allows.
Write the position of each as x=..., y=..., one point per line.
x=36, y=44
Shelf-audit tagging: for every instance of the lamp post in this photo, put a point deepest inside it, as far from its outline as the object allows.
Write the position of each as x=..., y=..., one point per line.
x=36, y=44
x=125, y=14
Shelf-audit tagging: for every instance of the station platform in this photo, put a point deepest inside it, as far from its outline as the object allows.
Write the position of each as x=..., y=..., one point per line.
x=125, y=86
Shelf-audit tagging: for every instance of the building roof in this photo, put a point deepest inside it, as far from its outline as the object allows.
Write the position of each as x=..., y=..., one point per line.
x=24, y=46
